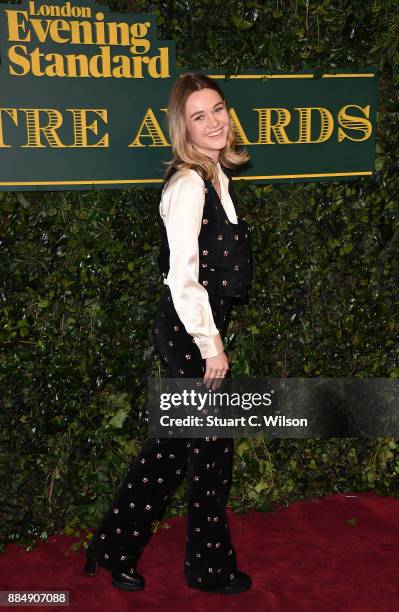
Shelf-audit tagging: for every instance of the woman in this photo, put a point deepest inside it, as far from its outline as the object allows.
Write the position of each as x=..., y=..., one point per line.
x=205, y=263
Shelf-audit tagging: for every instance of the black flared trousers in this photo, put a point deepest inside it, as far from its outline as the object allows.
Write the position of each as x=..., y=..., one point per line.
x=161, y=465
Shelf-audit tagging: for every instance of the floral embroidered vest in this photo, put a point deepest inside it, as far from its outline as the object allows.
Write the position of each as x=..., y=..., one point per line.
x=225, y=260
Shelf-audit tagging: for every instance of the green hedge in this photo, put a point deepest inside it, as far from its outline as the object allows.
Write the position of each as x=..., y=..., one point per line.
x=80, y=287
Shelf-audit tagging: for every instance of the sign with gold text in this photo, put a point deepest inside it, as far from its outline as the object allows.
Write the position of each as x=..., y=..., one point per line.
x=83, y=103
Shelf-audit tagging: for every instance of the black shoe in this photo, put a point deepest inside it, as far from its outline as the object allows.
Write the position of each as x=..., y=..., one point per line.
x=241, y=582
x=128, y=581
x=91, y=567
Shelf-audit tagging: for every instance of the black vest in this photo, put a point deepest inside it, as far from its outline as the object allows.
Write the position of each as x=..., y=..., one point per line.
x=225, y=260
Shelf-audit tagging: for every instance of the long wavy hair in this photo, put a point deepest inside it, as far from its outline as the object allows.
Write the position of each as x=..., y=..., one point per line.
x=185, y=155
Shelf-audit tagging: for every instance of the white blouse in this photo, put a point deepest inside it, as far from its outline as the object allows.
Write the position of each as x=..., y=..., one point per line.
x=181, y=208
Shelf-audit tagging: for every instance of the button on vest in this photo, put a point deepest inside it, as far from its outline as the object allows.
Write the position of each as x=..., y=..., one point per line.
x=225, y=266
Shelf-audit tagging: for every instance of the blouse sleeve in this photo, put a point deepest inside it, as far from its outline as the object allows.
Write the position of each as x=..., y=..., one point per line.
x=181, y=209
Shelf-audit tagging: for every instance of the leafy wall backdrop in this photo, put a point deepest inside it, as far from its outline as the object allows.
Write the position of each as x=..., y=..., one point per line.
x=79, y=288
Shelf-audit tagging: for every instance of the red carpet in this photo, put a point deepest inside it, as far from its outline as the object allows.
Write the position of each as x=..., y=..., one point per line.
x=304, y=557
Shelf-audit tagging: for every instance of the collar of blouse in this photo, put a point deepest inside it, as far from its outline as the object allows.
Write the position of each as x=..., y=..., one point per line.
x=225, y=199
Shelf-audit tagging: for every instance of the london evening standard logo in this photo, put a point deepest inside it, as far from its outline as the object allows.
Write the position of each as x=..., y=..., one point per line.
x=109, y=49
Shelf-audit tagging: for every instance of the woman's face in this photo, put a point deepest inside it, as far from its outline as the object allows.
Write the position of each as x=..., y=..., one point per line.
x=207, y=122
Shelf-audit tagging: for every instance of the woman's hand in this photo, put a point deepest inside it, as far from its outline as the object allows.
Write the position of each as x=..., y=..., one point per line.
x=216, y=367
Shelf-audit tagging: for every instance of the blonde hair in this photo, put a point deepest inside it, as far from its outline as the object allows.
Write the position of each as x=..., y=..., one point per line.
x=185, y=155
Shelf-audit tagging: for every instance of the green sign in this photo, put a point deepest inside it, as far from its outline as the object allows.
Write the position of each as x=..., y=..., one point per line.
x=83, y=103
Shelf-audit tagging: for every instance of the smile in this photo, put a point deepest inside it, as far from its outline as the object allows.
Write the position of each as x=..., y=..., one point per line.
x=216, y=133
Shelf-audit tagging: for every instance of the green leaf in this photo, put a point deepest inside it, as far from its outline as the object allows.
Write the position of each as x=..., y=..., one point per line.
x=118, y=419
x=260, y=486
x=241, y=24
x=243, y=446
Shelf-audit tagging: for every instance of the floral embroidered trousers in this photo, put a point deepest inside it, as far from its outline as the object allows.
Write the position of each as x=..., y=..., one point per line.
x=157, y=471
